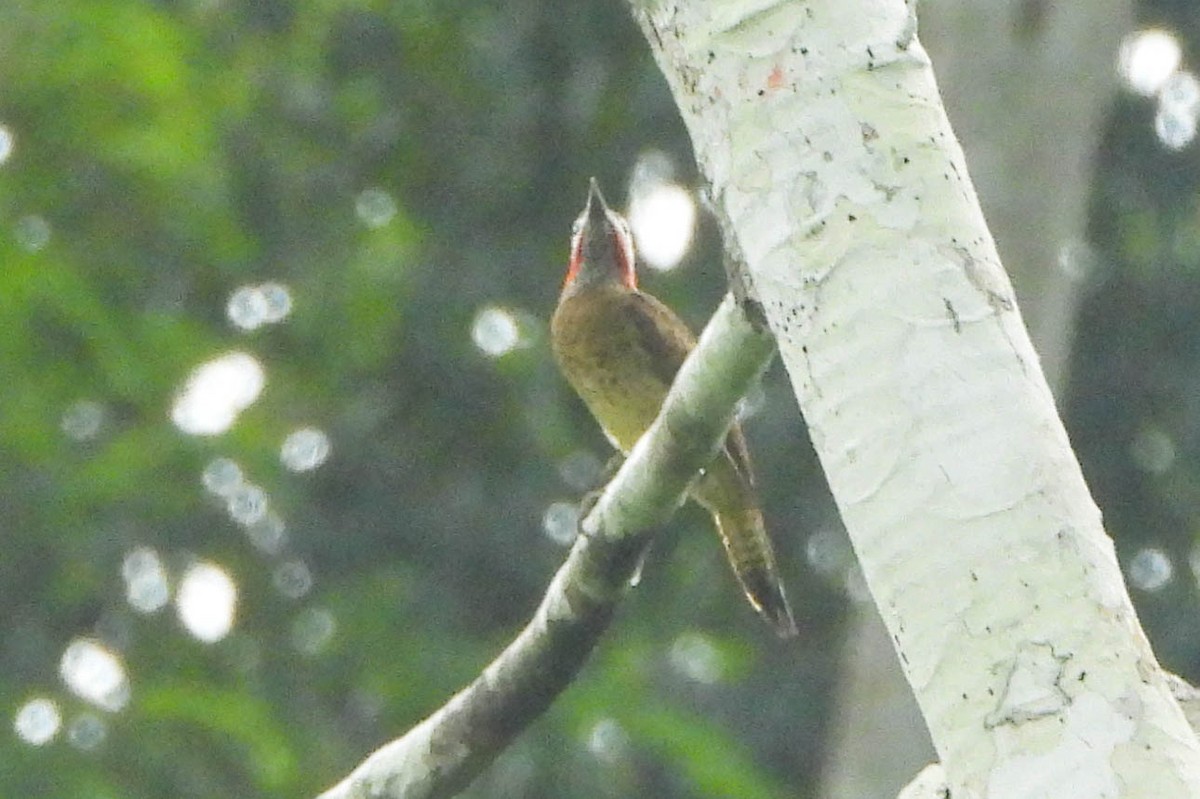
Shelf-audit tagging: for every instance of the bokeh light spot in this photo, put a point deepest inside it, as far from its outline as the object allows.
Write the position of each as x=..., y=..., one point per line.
x=580, y=470
x=374, y=207
x=37, y=721
x=222, y=477
x=1150, y=569
x=95, y=674
x=1076, y=259
x=304, y=449
x=1181, y=91
x=1174, y=128
x=268, y=534
x=251, y=307
x=278, y=300
x=293, y=579
x=7, y=142
x=662, y=214
x=1147, y=59
x=1152, y=450
x=82, y=421
x=608, y=740
x=560, y=522
x=33, y=232
x=828, y=552
x=216, y=392
x=206, y=601
x=663, y=220
x=146, y=586
x=87, y=731
x=694, y=656
x=246, y=307
x=312, y=631
x=495, y=331
x=247, y=504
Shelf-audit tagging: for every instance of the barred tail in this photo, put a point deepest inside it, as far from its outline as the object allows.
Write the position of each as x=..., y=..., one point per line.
x=753, y=561
x=726, y=492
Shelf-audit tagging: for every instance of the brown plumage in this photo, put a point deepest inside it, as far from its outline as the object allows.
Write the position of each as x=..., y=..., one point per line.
x=620, y=348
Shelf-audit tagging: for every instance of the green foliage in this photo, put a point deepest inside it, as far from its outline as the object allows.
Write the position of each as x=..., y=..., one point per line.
x=168, y=152
x=234, y=722
x=398, y=166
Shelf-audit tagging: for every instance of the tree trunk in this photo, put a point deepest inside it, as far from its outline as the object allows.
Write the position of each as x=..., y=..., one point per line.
x=842, y=188
x=1026, y=85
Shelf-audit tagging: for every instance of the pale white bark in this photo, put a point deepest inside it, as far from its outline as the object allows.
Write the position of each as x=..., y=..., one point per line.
x=837, y=176
x=1026, y=86
x=930, y=783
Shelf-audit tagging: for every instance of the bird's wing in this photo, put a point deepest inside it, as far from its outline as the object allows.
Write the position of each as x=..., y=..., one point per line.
x=662, y=334
x=668, y=341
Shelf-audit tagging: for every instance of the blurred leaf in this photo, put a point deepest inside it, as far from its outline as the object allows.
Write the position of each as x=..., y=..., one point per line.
x=236, y=721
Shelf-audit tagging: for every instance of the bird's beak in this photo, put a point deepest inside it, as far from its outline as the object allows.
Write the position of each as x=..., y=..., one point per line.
x=597, y=208
x=600, y=246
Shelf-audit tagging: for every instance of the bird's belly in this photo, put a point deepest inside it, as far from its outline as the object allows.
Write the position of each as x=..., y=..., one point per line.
x=625, y=406
x=618, y=385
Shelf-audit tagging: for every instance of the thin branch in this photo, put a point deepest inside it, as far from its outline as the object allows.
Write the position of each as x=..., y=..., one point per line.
x=446, y=751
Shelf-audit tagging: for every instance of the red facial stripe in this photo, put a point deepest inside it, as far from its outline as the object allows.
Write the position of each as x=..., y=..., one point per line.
x=576, y=259
x=623, y=245
x=622, y=248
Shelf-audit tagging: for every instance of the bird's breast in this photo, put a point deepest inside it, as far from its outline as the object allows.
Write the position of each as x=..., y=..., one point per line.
x=605, y=359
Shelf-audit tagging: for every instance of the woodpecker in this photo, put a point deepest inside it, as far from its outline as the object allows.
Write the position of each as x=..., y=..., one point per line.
x=620, y=348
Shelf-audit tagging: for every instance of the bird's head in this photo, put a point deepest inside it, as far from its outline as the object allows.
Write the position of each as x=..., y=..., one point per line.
x=601, y=247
